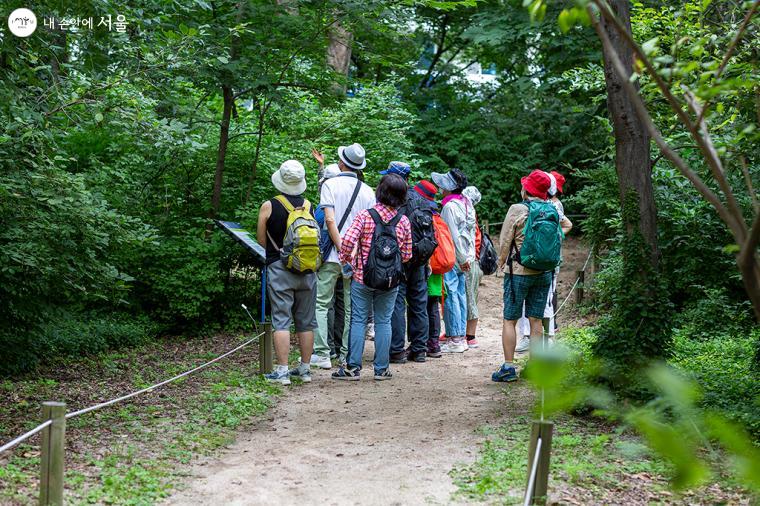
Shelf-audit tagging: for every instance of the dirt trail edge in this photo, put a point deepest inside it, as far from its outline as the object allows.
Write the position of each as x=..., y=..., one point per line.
x=371, y=442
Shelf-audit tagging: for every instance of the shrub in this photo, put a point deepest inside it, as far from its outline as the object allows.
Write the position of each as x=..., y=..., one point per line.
x=73, y=335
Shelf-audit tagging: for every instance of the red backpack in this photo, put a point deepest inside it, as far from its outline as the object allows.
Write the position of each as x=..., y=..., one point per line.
x=444, y=257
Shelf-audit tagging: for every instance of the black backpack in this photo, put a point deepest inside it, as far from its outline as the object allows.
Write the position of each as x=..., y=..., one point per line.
x=489, y=260
x=384, y=269
x=423, y=233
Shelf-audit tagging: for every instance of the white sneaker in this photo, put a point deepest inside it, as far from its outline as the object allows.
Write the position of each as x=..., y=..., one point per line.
x=370, y=334
x=444, y=347
x=457, y=345
x=523, y=344
x=319, y=361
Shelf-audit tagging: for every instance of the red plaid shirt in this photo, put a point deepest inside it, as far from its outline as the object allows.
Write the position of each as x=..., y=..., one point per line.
x=359, y=237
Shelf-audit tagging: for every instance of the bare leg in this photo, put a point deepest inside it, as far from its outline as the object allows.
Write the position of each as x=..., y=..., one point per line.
x=472, y=327
x=536, y=331
x=306, y=344
x=282, y=346
x=509, y=339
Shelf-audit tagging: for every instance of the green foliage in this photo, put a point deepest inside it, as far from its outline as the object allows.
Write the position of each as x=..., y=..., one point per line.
x=672, y=422
x=583, y=455
x=638, y=328
x=713, y=315
x=721, y=364
x=73, y=335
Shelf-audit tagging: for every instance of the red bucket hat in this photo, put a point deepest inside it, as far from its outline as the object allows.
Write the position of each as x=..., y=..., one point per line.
x=560, y=180
x=426, y=189
x=537, y=184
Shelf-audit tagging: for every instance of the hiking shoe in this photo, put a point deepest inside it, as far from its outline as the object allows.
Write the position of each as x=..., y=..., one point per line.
x=457, y=345
x=346, y=374
x=523, y=344
x=472, y=343
x=416, y=356
x=505, y=374
x=319, y=361
x=282, y=377
x=385, y=375
x=369, y=335
x=434, y=353
x=398, y=358
x=304, y=376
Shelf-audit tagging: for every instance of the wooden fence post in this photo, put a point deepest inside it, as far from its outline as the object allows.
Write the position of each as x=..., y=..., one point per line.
x=579, y=290
x=266, y=349
x=543, y=430
x=52, y=458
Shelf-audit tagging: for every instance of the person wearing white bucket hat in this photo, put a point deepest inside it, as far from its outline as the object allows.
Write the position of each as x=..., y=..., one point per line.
x=291, y=294
x=342, y=198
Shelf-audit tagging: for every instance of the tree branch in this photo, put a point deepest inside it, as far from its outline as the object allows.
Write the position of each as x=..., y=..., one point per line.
x=643, y=113
x=730, y=51
x=439, y=50
x=715, y=166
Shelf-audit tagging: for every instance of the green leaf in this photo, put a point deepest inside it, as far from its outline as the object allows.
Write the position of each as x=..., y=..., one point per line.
x=98, y=117
x=650, y=46
x=565, y=20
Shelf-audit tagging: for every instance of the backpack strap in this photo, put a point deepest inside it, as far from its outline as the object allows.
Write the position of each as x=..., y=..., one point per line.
x=350, y=205
x=282, y=199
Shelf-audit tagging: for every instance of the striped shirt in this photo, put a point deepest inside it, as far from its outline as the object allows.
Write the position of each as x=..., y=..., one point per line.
x=359, y=237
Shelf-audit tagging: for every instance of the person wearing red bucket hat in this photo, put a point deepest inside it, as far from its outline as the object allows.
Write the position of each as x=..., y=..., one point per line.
x=550, y=324
x=530, y=243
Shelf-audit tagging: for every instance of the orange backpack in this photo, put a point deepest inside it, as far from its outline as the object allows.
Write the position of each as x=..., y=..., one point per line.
x=444, y=257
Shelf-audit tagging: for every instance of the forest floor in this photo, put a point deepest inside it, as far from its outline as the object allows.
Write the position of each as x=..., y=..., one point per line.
x=438, y=433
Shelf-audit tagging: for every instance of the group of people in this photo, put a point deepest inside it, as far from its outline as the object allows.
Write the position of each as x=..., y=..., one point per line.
x=386, y=264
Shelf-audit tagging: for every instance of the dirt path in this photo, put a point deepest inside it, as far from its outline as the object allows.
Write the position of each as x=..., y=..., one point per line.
x=372, y=442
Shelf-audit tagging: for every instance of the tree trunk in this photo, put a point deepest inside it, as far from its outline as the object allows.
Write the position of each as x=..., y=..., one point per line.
x=221, y=154
x=339, y=54
x=632, y=161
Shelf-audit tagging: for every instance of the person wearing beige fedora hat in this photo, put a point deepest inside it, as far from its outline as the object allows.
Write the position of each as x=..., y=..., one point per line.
x=291, y=295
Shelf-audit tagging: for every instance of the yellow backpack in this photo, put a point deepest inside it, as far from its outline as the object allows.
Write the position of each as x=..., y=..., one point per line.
x=300, y=246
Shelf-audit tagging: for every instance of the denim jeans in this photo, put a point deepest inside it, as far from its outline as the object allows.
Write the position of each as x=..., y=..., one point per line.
x=362, y=299
x=412, y=301
x=455, y=304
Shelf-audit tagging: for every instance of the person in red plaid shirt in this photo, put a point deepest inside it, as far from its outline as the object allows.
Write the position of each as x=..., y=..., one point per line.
x=355, y=251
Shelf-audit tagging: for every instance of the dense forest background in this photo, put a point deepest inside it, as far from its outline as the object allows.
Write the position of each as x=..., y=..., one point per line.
x=117, y=148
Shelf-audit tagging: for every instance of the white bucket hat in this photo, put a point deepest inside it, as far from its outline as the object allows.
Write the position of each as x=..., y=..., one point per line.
x=353, y=156
x=473, y=194
x=330, y=171
x=290, y=178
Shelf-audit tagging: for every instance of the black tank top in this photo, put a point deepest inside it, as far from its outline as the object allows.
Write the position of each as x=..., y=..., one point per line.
x=276, y=224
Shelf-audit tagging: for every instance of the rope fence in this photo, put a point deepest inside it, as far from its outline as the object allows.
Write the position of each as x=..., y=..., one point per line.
x=53, y=428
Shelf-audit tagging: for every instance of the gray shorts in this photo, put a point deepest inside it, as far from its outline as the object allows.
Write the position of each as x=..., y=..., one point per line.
x=471, y=282
x=292, y=297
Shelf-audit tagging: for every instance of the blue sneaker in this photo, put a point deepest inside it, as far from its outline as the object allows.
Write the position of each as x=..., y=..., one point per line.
x=282, y=377
x=505, y=374
x=304, y=376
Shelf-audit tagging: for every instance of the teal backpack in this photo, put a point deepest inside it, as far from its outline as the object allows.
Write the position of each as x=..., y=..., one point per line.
x=542, y=247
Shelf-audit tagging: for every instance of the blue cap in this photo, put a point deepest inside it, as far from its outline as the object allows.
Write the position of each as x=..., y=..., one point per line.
x=400, y=168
